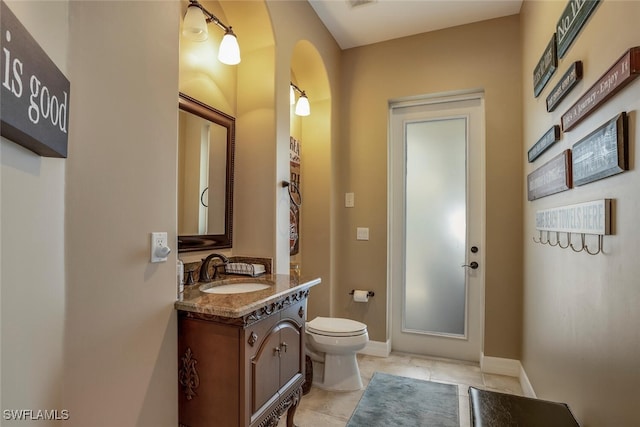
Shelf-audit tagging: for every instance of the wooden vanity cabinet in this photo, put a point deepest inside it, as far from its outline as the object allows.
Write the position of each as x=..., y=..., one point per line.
x=243, y=372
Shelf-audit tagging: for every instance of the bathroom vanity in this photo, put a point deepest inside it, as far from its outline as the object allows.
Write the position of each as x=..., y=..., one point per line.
x=241, y=355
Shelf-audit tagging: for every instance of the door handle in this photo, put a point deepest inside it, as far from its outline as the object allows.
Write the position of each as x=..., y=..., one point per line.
x=473, y=265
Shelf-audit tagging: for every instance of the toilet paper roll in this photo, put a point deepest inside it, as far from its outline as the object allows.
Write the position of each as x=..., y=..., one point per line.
x=361, y=296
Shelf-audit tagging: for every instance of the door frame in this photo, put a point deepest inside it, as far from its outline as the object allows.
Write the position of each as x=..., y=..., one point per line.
x=394, y=240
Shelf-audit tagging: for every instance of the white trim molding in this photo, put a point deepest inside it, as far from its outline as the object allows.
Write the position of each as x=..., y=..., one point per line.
x=509, y=367
x=377, y=348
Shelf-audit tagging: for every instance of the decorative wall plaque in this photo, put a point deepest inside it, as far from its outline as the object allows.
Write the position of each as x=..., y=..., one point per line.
x=618, y=76
x=34, y=111
x=546, y=67
x=602, y=153
x=567, y=82
x=547, y=140
x=294, y=185
x=550, y=178
x=589, y=218
x=571, y=21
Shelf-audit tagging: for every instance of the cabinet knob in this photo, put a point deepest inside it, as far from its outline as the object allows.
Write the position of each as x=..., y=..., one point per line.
x=284, y=344
x=276, y=351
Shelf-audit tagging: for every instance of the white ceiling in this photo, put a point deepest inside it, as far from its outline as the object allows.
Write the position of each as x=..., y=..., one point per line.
x=372, y=21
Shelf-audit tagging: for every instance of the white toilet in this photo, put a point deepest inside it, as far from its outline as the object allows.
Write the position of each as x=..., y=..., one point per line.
x=332, y=343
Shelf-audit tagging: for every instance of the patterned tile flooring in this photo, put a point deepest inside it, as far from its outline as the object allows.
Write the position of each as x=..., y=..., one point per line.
x=320, y=408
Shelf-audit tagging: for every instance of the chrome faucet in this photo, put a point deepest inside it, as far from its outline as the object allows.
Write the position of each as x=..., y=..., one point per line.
x=204, y=268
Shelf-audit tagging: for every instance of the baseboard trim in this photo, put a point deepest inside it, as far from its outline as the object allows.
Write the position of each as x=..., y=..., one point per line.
x=510, y=367
x=377, y=348
x=527, y=388
x=500, y=366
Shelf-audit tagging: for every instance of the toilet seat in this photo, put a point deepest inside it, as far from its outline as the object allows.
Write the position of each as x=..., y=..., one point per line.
x=336, y=327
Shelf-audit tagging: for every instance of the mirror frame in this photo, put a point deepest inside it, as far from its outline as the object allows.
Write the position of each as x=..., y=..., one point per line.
x=202, y=242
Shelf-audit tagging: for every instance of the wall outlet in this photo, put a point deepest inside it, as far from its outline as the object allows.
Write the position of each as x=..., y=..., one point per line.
x=159, y=249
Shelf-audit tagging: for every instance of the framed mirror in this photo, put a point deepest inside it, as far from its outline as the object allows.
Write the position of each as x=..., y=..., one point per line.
x=206, y=143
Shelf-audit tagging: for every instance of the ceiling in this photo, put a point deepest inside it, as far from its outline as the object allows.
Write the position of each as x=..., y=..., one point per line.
x=361, y=22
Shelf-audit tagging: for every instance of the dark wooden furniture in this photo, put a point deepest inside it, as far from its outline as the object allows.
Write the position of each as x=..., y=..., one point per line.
x=493, y=409
x=244, y=371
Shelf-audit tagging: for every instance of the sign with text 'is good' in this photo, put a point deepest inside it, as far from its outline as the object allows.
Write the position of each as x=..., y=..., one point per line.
x=34, y=107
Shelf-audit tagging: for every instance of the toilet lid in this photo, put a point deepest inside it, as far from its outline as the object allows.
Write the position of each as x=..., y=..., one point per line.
x=335, y=326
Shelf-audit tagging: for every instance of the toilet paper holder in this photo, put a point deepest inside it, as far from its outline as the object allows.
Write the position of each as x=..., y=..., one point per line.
x=369, y=293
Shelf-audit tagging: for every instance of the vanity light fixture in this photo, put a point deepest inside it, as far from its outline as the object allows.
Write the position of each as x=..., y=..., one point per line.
x=195, y=28
x=302, y=107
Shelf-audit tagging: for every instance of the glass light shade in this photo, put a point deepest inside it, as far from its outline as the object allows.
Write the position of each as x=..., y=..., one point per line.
x=194, y=26
x=302, y=107
x=292, y=95
x=229, y=51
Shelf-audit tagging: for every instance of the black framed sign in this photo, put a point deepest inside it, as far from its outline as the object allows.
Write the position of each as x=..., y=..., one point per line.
x=571, y=21
x=546, y=67
x=602, y=153
x=567, y=82
x=35, y=94
x=550, y=178
x=548, y=139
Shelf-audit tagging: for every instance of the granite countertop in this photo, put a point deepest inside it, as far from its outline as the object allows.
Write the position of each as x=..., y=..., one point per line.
x=238, y=305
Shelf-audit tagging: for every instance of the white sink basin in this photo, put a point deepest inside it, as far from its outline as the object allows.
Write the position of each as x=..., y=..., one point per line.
x=237, y=288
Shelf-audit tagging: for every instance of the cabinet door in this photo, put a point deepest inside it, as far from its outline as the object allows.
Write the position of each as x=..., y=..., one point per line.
x=291, y=328
x=265, y=366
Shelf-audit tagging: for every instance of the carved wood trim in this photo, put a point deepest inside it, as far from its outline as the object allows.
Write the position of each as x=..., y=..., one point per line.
x=292, y=400
x=253, y=338
x=188, y=375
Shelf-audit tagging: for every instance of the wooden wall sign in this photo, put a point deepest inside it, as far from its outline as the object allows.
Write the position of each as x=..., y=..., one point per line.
x=35, y=94
x=294, y=202
x=618, y=76
x=546, y=67
x=567, y=82
x=547, y=140
x=589, y=218
x=571, y=21
x=602, y=153
x=550, y=178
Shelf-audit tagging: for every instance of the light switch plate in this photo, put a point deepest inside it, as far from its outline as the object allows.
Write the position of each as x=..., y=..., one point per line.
x=349, y=200
x=362, y=233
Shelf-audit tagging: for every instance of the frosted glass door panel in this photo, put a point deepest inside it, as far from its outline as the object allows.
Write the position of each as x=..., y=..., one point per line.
x=435, y=288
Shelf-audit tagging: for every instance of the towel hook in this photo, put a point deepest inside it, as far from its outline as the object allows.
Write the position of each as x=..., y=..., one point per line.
x=557, y=240
x=582, y=247
x=599, y=246
x=539, y=238
x=568, y=240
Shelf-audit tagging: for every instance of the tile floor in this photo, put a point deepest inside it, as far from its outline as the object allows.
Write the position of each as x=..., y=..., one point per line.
x=320, y=408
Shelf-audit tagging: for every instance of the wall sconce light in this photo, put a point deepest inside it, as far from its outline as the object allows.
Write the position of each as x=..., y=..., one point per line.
x=195, y=28
x=302, y=107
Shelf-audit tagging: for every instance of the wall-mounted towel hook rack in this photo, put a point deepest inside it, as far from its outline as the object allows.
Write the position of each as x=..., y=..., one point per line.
x=587, y=218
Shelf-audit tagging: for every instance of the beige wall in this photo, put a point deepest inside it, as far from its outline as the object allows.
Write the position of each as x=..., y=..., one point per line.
x=32, y=280
x=581, y=316
x=120, y=330
x=485, y=56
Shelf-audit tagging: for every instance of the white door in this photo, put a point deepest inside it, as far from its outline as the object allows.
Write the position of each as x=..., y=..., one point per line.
x=436, y=226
